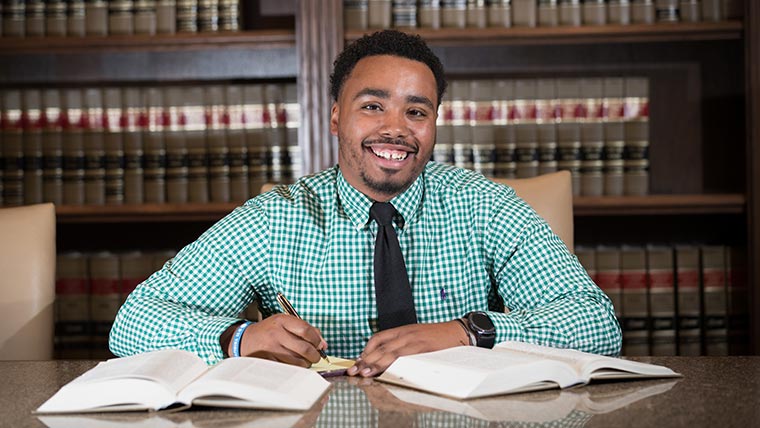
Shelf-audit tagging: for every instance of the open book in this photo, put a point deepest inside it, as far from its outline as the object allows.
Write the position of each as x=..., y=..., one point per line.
x=469, y=372
x=159, y=379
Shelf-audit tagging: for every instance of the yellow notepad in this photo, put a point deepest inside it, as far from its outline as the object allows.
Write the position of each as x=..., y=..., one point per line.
x=336, y=366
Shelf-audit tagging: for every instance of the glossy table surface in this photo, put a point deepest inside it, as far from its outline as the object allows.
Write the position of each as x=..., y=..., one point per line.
x=714, y=392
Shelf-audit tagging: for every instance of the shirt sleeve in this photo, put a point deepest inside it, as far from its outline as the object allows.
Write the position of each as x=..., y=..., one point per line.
x=199, y=293
x=550, y=298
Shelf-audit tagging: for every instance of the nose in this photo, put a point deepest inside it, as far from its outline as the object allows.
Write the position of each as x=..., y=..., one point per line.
x=394, y=125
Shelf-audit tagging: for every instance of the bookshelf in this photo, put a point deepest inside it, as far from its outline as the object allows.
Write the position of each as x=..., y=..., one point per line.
x=704, y=179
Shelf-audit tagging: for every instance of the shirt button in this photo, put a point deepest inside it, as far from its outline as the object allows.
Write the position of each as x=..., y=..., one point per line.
x=212, y=358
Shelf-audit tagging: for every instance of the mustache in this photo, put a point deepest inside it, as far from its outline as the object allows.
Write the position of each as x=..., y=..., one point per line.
x=390, y=141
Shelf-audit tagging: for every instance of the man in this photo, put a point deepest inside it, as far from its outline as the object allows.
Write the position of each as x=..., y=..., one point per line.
x=468, y=245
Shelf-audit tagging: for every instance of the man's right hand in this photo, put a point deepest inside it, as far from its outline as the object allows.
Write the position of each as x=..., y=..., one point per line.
x=282, y=338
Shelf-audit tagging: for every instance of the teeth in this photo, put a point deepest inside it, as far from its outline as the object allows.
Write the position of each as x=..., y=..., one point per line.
x=385, y=154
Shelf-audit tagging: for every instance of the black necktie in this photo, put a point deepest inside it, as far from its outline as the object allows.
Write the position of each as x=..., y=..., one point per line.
x=395, y=304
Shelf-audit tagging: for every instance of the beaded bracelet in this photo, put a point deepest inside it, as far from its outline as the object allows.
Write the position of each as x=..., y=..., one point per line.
x=238, y=337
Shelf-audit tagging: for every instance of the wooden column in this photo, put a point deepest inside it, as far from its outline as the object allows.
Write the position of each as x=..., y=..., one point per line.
x=752, y=58
x=319, y=38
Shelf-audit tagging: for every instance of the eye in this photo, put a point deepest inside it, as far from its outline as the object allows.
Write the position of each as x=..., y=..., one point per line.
x=417, y=113
x=372, y=107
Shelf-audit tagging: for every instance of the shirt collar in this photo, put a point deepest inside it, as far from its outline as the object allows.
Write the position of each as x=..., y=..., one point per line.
x=356, y=204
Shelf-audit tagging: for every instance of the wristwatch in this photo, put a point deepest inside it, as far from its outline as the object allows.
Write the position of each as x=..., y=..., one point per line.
x=480, y=326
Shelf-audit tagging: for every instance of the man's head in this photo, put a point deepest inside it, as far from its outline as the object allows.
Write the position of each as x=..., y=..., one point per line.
x=387, y=88
x=388, y=42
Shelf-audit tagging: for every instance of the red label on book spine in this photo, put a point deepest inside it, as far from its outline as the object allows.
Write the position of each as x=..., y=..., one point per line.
x=102, y=286
x=633, y=280
x=66, y=286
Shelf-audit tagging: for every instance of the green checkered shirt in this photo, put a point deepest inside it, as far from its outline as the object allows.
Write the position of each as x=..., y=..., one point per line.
x=468, y=243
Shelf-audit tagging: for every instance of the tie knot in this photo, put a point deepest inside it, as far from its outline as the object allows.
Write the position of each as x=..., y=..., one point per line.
x=382, y=213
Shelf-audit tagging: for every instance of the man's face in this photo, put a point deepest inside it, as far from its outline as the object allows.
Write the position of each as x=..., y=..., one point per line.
x=385, y=122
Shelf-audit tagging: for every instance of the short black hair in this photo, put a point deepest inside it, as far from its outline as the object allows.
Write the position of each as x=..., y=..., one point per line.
x=386, y=42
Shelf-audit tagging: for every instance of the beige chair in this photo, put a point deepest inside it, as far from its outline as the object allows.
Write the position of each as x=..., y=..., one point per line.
x=551, y=195
x=27, y=282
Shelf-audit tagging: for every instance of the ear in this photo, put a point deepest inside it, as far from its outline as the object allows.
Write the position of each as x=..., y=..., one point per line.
x=334, y=113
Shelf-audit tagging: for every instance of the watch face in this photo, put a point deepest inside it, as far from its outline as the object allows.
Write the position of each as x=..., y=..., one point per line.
x=481, y=321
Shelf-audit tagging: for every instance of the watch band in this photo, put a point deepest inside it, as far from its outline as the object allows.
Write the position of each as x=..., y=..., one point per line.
x=470, y=334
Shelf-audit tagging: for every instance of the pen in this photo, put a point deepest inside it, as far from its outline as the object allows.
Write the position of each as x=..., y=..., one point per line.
x=289, y=309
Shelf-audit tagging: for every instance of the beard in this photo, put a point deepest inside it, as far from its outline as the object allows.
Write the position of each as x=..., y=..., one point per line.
x=393, y=182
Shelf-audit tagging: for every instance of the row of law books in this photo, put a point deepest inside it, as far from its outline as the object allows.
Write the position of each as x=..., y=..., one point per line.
x=409, y=14
x=77, y=18
x=90, y=289
x=135, y=145
x=675, y=300
x=597, y=128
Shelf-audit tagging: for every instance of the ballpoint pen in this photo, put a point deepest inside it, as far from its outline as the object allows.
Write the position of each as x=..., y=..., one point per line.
x=289, y=309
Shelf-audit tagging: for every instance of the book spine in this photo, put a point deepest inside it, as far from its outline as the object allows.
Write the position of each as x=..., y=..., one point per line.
x=379, y=13
x=714, y=299
x=120, y=17
x=660, y=271
x=570, y=13
x=292, y=122
x=187, y=16
x=689, y=301
x=546, y=128
x=35, y=18
x=568, y=129
x=256, y=116
x=504, y=131
x=55, y=18
x=229, y=15
x=500, y=14
x=587, y=258
x=73, y=148
x=96, y=18
x=636, y=151
x=619, y=12
x=738, y=298
x=176, y=147
x=217, y=123
x=94, y=148
x=14, y=18
x=279, y=164
x=454, y=13
x=133, y=120
x=113, y=142
x=208, y=16
x=104, y=299
x=477, y=16
x=609, y=278
x=76, y=13
x=32, y=145
x=524, y=13
x=72, y=306
x=195, y=138
x=460, y=123
x=592, y=136
x=548, y=13
x=11, y=130
x=712, y=10
x=166, y=16
x=355, y=14
x=404, y=13
x=135, y=267
x=443, y=151
x=635, y=301
x=238, y=150
x=614, y=140
x=145, y=17
x=155, y=149
x=52, y=149
x=482, y=110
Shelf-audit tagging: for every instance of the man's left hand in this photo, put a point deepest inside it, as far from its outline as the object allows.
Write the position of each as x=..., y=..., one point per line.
x=384, y=347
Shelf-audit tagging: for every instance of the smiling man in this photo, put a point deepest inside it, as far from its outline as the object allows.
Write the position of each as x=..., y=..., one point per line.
x=383, y=255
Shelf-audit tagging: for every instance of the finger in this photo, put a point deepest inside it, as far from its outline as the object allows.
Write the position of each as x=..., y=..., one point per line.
x=305, y=331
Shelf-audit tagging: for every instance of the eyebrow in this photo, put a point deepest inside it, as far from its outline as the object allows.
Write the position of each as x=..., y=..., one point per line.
x=381, y=93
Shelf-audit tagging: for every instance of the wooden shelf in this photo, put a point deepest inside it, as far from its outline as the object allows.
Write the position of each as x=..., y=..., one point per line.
x=583, y=206
x=262, y=39
x=660, y=205
x=636, y=33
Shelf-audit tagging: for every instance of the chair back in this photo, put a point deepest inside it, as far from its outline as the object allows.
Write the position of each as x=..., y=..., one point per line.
x=551, y=196
x=27, y=282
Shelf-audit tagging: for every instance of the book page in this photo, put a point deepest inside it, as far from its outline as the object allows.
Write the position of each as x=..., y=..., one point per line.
x=589, y=366
x=139, y=382
x=248, y=382
x=335, y=367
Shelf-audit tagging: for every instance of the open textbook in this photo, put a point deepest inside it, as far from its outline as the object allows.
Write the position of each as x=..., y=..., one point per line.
x=470, y=372
x=160, y=379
